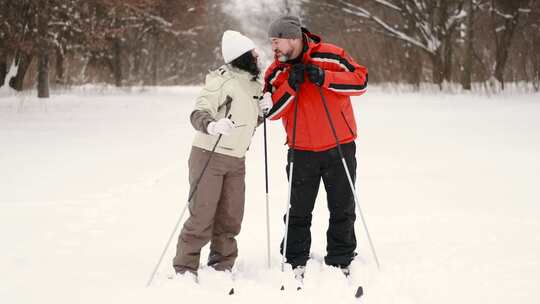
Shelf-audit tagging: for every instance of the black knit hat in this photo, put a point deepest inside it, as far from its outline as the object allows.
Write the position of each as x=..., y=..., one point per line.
x=288, y=27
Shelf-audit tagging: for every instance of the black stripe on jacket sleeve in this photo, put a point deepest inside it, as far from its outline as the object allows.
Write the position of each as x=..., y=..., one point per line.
x=348, y=87
x=331, y=57
x=280, y=105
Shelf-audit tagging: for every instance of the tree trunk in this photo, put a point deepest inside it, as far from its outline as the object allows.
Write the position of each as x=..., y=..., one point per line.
x=43, y=74
x=467, y=64
x=60, y=69
x=117, y=62
x=536, y=64
x=23, y=62
x=438, y=68
x=136, y=70
x=3, y=67
x=536, y=81
x=413, y=63
x=447, y=61
x=43, y=56
x=445, y=49
x=415, y=68
x=501, y=58
x=155, y=58
x=503, y=44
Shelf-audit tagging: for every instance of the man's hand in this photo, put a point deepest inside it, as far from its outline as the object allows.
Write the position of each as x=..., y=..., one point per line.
x=296, y=76
x=315, y=74
x=223, y=126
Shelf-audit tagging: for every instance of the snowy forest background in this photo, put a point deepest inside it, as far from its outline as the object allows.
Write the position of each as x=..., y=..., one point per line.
x=478, y=44
x=94, y=177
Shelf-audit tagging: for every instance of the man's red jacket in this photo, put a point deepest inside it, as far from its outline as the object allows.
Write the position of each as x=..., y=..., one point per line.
x=343, y=78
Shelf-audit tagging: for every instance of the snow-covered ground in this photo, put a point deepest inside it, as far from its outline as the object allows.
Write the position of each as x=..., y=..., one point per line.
x=92, y=182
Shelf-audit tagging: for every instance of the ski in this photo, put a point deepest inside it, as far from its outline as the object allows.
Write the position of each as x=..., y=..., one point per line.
x=299, y=285
x=359, y=292
x=299, y=278
x=233, y=279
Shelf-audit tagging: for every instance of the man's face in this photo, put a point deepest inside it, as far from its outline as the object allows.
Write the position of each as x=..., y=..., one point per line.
x=283, y=48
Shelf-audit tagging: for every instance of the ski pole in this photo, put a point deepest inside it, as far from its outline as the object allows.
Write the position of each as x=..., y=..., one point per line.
x=184, y=210
x=291, y=166
x=323, y=98
x=267, y=197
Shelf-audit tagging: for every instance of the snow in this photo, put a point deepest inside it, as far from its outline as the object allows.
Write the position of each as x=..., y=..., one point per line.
x=94, y=179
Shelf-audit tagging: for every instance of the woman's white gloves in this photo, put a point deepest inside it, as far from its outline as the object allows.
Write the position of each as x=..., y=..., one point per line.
x=223, y=126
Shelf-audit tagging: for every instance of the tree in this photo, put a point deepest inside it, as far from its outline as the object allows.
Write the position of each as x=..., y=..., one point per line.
x=17, y=35
x=3, y=44
x=433, y=25
x=505, y=16
x=31, y=28
x=469, y=46
x=532, y=38
x=43, y=7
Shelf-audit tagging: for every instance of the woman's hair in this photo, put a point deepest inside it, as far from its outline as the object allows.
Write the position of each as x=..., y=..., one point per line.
x=248, y=63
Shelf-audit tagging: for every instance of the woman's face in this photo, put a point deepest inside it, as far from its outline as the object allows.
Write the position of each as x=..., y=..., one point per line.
x=255, y=55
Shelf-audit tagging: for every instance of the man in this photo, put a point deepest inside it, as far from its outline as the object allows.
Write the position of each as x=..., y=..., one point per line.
x=303, y=66
x=227, y=110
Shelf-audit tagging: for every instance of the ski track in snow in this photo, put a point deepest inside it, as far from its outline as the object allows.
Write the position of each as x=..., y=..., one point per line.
x=93, y=181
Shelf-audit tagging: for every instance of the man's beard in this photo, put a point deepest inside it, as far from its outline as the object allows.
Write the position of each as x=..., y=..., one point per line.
x=284, y=57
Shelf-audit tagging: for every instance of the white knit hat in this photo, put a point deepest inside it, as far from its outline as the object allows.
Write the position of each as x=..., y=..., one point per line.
x=234, y=45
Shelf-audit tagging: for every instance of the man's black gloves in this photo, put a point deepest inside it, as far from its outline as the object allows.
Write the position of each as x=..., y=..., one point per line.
x=296, y=76
x=315, y=74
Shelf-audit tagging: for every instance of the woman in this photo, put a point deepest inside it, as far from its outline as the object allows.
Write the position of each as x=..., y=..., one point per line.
x=227, y=110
